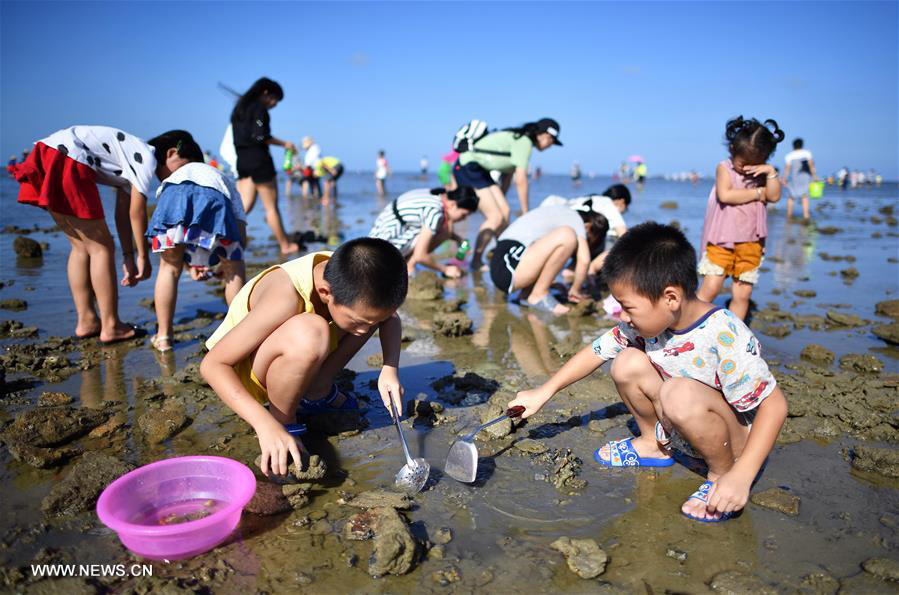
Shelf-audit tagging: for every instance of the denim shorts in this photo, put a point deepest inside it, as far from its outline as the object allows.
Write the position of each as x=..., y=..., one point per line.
x=472, y=174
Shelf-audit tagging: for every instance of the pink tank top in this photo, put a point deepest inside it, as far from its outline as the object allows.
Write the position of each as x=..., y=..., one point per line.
x=726, y=225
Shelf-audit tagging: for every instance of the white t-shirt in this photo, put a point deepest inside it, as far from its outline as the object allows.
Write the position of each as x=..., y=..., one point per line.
x=796, y=158
x=718, y=350
x=313, y=154
x=599, y=204
x=202, y=174
x=120, y=159
x=381, y=168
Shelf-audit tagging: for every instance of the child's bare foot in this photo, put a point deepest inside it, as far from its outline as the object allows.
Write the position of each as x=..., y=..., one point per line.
x=87, y=330
x=290, y=248
x=121, y=332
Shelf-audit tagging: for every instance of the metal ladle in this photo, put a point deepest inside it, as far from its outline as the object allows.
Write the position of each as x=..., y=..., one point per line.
x=414, y=474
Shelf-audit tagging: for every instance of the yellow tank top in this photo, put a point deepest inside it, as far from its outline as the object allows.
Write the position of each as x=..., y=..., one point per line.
x=300, y=272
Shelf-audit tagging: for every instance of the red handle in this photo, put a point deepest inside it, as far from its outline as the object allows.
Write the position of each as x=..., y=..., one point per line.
x=515, y=411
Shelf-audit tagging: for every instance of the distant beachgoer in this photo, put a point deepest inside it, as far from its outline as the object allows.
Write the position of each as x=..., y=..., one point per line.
x=61, y=176
x=691, y=373
x=11, y=165
x=199, y=221
x=382, y=171
x=640, y=175
x=576, y=173
x=311, y=183
x=736, y=220
x=507, y=151
x=538, y=173
x=255, y=169
x=423, y=166
x=329, y=168
x=418, y=221
x=534, y=249
x=799, y=172
x=622, y=172
x=843, y=177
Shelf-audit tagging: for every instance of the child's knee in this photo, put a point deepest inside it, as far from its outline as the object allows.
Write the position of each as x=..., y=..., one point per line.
x=629, y=365
x=679, y=401
x=306, y=339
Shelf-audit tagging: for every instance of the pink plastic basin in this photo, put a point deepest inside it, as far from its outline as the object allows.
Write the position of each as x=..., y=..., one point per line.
x=138, y=505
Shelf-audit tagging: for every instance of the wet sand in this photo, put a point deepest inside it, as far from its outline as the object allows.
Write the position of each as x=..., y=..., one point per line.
x=823, y=509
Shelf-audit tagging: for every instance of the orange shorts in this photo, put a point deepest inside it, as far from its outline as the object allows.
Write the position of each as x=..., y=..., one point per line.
x=741, y=262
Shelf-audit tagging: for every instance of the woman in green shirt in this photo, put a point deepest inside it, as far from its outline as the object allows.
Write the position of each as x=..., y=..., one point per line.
x=507, y=151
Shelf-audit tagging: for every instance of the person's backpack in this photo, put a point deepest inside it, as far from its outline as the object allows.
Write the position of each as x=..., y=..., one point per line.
x=468, y=135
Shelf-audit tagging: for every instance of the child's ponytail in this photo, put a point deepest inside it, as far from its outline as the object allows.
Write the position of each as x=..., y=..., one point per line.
x=751, y=140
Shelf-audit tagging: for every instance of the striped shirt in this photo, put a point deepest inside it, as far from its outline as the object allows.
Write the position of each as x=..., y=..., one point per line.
x=419, y=209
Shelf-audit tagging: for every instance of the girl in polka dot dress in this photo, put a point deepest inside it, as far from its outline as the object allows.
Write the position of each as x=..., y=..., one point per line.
x=200, y=222
x=61, y=176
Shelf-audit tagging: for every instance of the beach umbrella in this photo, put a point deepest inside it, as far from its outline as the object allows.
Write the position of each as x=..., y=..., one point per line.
x=636, y=159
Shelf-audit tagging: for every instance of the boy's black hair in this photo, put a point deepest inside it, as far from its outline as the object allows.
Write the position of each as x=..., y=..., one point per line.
x=368, y=270
x=618, y=192
x=752, y=140
x=181, y=140
x=463, y=196
x=797, y=143
x=651, y=257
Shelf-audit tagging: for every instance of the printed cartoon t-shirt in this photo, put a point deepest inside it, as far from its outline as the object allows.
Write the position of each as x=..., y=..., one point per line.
x=718, y=350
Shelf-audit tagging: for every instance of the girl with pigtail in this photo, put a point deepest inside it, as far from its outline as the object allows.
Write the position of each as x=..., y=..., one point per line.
x=736, y=219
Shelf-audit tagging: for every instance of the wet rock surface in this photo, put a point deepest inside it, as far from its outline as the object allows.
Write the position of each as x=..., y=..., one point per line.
x=883, y=461
x=888, y=332
x=53, y=426
x=584, y=557
x=27, y=248
x=817, y=354
x=380, y=498
x=452, y=324
x=425, y=286
x=395, y=550
x=735, y=582
x=883, y=568
x=779, y=500
x=160, y=424
x=83, y=484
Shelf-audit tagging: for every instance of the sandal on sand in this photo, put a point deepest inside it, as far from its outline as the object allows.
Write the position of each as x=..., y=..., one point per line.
x=161, y=343
x=702, y=494
x=623, y=454
x=326, y=404
x=546, y=304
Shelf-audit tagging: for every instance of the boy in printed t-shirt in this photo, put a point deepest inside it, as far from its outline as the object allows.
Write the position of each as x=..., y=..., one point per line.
x=690, y=372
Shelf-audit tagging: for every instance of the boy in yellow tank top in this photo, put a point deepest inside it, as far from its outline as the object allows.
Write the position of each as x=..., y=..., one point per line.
x=294, y=326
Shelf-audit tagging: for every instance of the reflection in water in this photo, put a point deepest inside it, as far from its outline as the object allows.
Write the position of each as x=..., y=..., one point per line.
x=95, y=388
x=793, y=253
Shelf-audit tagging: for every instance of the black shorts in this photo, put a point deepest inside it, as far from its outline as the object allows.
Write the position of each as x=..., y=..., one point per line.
x=472, y=174
x=338, y=171
x=255, y=162
x=504, y=261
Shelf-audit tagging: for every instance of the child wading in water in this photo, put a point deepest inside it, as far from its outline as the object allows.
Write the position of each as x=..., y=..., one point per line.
x=61, y=175
x=736, y=219
x=199, y=221
x=691, y=373
x=293, y=327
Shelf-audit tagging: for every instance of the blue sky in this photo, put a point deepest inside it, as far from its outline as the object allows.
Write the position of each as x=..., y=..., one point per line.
x=659, y=79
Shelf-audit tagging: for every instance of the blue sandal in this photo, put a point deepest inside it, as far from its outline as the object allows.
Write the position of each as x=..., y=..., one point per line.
x=546, y=304
x=326, y=404
x=702, y=494
x=622, y=454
